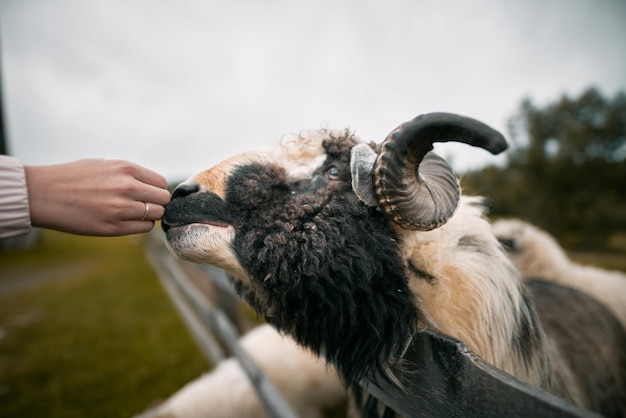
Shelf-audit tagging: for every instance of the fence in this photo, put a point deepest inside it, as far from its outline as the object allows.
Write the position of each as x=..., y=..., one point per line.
x=450, y=380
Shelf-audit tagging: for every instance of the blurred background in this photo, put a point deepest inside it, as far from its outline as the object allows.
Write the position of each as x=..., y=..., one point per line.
x=177, y=86
x=180, y=87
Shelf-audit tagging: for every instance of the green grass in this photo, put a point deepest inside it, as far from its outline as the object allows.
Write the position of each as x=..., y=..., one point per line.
x=86, y=330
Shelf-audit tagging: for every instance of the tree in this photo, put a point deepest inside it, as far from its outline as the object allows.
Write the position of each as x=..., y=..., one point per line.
x=566, y=171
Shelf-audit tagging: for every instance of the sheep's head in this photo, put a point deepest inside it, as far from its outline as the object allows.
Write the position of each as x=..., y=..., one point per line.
x=309, y=233
x=535, y=253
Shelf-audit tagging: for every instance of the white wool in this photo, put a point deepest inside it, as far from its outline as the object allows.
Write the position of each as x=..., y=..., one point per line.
x=307, y=384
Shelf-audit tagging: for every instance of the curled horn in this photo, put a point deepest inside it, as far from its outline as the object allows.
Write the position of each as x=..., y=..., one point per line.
x=418, y=189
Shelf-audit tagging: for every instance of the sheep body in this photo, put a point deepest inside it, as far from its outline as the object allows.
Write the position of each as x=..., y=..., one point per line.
x=308, y=385
x=341, y=278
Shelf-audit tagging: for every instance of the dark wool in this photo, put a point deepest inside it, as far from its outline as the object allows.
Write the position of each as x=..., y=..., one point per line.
x=563, y=313
x=329, y=264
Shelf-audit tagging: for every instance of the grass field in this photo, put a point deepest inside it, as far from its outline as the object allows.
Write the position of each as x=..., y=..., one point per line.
x=87, y=331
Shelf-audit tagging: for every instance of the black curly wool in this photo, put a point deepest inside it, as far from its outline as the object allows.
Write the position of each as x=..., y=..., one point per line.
x=329, y=265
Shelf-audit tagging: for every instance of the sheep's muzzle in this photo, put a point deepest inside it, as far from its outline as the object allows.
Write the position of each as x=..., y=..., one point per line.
x=195, y=208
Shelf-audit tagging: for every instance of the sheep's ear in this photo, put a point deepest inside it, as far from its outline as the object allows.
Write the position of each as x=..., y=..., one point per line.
x=362, y=160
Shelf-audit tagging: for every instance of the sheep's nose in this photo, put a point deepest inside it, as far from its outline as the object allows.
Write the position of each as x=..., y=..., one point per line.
x=185, y=189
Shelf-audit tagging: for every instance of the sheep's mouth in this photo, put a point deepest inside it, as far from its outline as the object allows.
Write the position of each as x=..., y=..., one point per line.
x=196, y=209
x=214, y=224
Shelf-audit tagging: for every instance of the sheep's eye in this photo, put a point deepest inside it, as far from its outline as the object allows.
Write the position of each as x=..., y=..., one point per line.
x=509, y=244
x=333, y=173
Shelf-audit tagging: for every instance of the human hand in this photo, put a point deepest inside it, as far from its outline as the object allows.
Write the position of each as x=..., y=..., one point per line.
x=96, y=197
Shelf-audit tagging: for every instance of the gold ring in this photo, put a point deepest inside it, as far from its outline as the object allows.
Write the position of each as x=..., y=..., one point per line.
x=146, y=212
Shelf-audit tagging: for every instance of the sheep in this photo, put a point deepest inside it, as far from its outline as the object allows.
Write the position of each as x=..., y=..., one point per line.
x=536, y=254
x=306, y=382
x=353, y=248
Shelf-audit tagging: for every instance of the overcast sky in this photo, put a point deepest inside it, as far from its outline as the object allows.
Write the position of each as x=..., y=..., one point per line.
x=180, y=85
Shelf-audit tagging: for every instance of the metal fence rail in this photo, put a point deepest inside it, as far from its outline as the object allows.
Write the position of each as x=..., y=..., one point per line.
x=450, y=380
x=207, y=322
x=453, y=382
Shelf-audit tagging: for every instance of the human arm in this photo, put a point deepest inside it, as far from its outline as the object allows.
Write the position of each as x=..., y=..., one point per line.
x=95, y=197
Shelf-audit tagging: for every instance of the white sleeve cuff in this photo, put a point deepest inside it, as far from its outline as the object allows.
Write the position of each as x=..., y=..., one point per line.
x=14, y=208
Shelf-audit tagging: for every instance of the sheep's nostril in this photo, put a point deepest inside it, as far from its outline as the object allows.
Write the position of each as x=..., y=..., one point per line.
x=185, y=189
